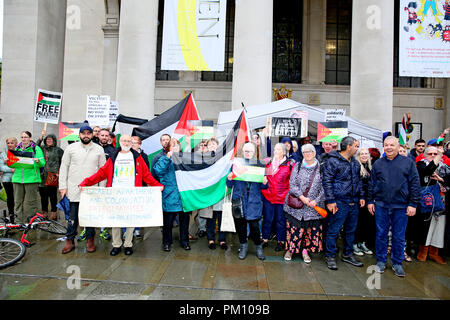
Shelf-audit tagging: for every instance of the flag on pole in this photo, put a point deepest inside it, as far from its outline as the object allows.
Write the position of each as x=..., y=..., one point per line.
x=402, y=138
x=175, y=122
x=125, y=125
x=201, y=178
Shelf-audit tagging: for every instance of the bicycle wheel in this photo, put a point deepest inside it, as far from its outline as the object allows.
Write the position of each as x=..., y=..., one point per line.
x=11, y=251
x=50, y=226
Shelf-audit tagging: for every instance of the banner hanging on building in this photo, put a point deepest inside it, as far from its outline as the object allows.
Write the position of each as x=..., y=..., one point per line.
x=121, y=207
x=194, y=35
x=424, y=38
x=48, y=106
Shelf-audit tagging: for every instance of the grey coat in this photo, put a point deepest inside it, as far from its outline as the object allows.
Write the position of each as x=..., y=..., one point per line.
x=297, y=185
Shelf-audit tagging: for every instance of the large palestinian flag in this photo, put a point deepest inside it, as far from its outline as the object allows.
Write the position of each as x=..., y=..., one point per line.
x=20, y=159
x=125, y=125
x=174, y=122
x=201, y=178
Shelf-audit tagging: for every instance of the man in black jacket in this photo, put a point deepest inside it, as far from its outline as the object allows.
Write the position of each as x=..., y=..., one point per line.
x=419, y=148
x=103, y=137
x=394, y=193
x=343, y=192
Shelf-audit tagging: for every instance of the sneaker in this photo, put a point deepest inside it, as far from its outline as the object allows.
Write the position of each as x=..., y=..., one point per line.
x=380, y=267
x=398, y=270
x=82, y=236
x=331, y=263
x=105, y=235
x=357, y=250
x=363, y=247
x=305, y=256
x=351, y=260
x=288, y=256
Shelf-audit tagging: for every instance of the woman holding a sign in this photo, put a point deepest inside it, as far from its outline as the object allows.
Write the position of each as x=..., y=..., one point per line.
x=247, y=204
x=303, y=222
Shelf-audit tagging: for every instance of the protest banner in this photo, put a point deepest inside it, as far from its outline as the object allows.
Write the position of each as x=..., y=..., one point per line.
x=299, y=114
x=121, y=207
x=48, y=106
x=424, y=38
x=334, y=115
x=113, y=113
x=285, y=127
x=245, y=170
x=70, y=131
x=194, y=35
x=97, y=110
x=332, y=130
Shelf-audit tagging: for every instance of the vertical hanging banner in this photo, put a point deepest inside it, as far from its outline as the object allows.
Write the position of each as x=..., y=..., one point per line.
x=97, y=110
x=424, y=38
x=48, y=106
x=194, y=35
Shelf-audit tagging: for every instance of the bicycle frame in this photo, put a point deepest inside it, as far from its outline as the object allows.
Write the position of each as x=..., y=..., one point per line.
x=26, y=227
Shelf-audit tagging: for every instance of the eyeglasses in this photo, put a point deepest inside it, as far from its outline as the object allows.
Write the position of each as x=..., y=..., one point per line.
x=432, y=154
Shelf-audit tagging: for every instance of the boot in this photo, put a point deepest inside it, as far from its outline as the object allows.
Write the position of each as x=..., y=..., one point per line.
x=423, y=252
x=434, y=255
x=260, y=252
x=90, y=246
x=53, y=216
x=70, y=245
x=243, y=250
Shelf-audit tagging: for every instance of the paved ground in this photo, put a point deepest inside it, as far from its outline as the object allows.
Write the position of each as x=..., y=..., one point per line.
x=205, y=274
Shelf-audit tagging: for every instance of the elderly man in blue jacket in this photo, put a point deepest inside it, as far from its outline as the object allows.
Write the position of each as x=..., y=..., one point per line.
x=394, y=193
x=343, y=191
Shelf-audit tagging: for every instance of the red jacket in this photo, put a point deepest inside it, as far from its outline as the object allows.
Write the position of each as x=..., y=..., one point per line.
x=445, y=159
x=279, y=182
x=142, y=173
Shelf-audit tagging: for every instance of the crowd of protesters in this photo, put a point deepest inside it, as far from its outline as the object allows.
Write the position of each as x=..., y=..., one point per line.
x=374, y=200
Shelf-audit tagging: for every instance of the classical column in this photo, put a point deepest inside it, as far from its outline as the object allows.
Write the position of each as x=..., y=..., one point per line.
x=136, y=65
x=252, y=60
x=110, y=48
x=371, y=92
x=33, y=58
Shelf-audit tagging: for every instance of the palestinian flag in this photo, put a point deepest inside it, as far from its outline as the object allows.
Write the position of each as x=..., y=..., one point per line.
x=441, y=138
x=200, y=130
x=251, y=171
x=201, y=178
x=125, y=125
x=20, y=159
x=174, y=122
x=49, y=98
x=332, y=130
x=70, y=131
x=402, y=137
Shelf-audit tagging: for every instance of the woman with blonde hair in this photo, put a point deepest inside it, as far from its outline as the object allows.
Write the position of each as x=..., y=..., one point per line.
x=365, y=231
x=8, y=172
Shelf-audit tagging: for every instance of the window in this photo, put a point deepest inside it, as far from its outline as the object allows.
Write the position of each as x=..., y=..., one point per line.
x=162, y=74
x=338, y=42
x=287, y=42
x=227, y=74
x=408, y=82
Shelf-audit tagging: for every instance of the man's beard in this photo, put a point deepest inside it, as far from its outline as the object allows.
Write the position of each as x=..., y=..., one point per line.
x=86, y=142
x=124, y=148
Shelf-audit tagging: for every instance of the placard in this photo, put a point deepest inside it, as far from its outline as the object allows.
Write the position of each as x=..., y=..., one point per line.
x=113, y=113
x=97, y=111
x=120, y=207
x=48, y=106
x=332, y=131
x=245, y=170
x=300, y=114
x=334, y=115
x=285, y=127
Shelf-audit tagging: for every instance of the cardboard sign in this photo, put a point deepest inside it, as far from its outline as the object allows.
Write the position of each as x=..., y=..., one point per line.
x=48, y=106
x=303, y=115
x=285, y=127
x=332, y=130
x=251, y=171
x=121, y=207
x=334, y=115
x=97, y=111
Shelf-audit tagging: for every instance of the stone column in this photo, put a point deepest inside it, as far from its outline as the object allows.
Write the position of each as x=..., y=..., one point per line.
x=110, y=48
x=33, y=58
x=136, y=65
x=371, y=92
x=314, y=39
x=252, y=61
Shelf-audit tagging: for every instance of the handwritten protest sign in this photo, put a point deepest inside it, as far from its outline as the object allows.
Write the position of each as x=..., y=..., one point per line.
x=48, y=106
x=97, y=111
x=334, y=115
x=121, y=207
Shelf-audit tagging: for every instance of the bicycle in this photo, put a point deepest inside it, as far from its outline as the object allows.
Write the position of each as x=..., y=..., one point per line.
x=11, y=251
x=38, y=221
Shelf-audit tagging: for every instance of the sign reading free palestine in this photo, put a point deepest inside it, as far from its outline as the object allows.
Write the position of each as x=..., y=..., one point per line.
x=194, y=35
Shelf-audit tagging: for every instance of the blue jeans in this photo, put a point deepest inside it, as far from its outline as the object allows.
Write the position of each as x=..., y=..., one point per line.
x=385, y=217
x=273, y=212
x=347, y=216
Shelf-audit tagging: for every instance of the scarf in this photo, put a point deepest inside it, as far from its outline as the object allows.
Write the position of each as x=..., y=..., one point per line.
x=276, y=164
x=305, y=164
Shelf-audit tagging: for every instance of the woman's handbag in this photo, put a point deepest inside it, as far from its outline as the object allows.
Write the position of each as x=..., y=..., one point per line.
x=431, y=200
x=52, y=178
x=227, y=222
x=295, y=202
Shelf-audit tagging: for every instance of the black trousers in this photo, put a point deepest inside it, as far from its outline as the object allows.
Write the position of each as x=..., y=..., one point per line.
x=72, y=224
x=365, y=231
x=9, y=189
x=183, y=223
x=241, y=229
x=46, y=193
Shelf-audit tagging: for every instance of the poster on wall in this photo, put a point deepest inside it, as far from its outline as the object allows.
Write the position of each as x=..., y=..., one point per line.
x=424, y=38
x=194, y=35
